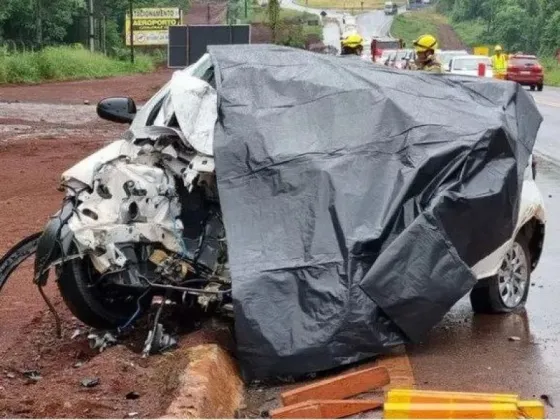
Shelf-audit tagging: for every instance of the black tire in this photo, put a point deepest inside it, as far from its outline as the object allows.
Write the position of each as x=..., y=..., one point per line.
x=88, y=302
x=540, y=87
x=532, y=87
x=487, y=295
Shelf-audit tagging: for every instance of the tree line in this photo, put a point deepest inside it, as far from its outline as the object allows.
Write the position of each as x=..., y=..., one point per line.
x=531, y=26
x=50, y=22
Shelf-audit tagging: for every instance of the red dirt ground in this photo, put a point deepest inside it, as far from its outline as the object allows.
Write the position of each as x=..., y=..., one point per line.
x=30, y=167
x=139, y=87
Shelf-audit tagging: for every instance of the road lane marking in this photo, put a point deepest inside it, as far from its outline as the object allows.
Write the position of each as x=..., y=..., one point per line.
x=399, y=367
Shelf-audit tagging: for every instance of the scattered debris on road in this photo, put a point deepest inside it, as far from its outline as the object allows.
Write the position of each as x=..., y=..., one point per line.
x=325, y=409
x=328, y=398
x=90, y=382
x=514, y=338
x=32, y=375
x=132, y=395
x=547, y=400
x=339, y=387
x=101, y=342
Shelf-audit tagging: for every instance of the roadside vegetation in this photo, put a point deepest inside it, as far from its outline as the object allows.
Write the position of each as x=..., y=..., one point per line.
x=409, y=26
x=288, y=27
x=354, y=5
x=475, y=32
x=65, y=63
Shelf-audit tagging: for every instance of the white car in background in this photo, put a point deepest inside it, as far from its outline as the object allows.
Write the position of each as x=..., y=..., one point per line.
x=467, y=65
x=445, y=56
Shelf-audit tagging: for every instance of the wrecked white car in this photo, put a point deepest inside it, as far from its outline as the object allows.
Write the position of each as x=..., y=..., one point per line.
x=360, y=203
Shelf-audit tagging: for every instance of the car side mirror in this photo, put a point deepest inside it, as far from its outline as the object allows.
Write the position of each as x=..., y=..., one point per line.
x=119, y=110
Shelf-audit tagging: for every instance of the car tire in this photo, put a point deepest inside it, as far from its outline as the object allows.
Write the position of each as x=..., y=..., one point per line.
x=75, y=285
x=508, y=290
x=532, y=87
x=540, y=87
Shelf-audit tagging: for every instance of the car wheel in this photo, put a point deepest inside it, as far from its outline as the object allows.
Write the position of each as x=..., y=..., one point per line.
x=508, y=290
x=532, y=87
x=540, y=87
x=78, y=285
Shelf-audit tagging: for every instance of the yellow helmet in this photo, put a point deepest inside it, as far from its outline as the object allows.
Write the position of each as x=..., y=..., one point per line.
x=425, y=43
x=353, y=41
x=498, y=48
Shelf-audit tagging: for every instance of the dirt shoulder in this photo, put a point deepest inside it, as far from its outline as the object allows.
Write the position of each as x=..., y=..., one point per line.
x=40, y=374
x=139, y=86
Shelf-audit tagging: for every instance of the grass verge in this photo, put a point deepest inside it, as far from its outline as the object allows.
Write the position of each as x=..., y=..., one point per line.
x=65, y=63
x=409, y=26
x=259, y=15
x=551, y=71
x=345, y=4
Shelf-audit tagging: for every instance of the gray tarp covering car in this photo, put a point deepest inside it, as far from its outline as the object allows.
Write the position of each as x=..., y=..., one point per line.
x=356, y=198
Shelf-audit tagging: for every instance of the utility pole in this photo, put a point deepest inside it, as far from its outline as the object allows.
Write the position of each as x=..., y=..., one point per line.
x=91, y=27
x=39, y=23
x=131, y=31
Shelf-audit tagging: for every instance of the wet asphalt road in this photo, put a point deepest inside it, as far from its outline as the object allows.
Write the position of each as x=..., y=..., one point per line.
x=470, y=352
x=548, y=141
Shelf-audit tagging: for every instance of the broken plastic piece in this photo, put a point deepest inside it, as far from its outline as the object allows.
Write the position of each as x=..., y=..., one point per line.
x=101, y=342
x=158, y=341
x=89, y=382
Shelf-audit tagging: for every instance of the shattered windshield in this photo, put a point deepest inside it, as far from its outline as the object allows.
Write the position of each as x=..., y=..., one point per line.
x=157, y=110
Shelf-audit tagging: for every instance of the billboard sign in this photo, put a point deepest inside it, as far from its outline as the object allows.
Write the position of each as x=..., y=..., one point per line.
x=151, y=25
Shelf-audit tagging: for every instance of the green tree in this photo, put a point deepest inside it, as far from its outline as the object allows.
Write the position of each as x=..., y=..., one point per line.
x=551, y=35
x=509, y=30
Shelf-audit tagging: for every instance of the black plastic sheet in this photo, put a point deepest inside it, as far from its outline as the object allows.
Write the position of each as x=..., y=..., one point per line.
x=356, y=197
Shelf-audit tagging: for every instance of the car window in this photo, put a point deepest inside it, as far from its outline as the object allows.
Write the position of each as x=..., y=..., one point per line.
x=523, y=62
x=468, y=64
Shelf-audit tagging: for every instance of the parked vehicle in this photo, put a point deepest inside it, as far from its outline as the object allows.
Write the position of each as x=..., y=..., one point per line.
x=445, y=56
x=525, y=70
x=467, y=65
x=379, y=44
x=391, y=8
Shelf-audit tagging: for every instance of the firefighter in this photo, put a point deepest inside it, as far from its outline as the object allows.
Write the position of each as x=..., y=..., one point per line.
x=352, y=45
x=499, y=62
x=425, y=48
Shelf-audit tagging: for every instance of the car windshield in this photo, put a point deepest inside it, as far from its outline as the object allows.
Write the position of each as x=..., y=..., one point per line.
x=523, y=62
x=445, y=57
x=469, y=64
x=153, y=112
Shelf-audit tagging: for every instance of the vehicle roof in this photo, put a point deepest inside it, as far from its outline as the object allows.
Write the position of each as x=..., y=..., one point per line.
x=384, y=38
x=474, y=57
x=454, y=52
x=525, y=56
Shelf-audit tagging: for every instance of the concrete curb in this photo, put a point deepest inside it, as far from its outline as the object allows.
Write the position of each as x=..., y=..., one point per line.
x=210, y=387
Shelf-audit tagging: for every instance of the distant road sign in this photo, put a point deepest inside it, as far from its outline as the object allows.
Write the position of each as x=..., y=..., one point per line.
x=151, y=25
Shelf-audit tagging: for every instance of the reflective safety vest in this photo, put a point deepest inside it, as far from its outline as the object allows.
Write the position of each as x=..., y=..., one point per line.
x=499, y=64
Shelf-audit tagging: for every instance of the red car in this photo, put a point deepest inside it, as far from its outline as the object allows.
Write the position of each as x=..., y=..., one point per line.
x=525, y=70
